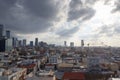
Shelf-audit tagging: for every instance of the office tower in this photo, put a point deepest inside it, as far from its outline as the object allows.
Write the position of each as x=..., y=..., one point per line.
x=24, y=42
x=19, y=43
x=7, y=33
x=15, y=42
x=71, y=44
x=36, y=41
x=5, y=45
x=31, y=43
x=41, y=44
x=2, y=45
x=65, y=43
x=8, y=44
x=82, y=43
x=1, y=30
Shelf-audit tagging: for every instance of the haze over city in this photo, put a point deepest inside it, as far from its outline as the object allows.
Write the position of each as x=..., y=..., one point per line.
x=54, y=21
x=59, y=40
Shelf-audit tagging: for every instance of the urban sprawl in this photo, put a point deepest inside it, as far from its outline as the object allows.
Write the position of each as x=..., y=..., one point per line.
x=43, y=61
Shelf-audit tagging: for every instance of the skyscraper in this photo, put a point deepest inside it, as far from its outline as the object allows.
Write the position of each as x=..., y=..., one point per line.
x=71, y=44
x=1, y=30
x=82, y=43
x=65, y=43
x=31, y=43
x=7, y=33
x=36, y=41
x=15, y=41
x=19, y=43
x=8, y=44
x=2, y=45
x=24, y=42
x=5, y=45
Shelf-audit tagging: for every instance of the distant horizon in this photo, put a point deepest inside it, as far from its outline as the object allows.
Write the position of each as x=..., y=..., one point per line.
x=97, y=22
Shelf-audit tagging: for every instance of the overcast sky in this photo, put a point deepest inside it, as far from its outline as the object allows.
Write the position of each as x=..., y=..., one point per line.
x=97, y=22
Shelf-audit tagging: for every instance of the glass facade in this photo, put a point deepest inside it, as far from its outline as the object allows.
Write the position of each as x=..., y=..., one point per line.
x=8, y=45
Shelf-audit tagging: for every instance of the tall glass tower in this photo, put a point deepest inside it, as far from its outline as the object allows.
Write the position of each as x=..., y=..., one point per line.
x=1, y=30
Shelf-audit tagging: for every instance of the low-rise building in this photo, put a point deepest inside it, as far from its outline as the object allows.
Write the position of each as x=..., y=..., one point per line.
x=53, y=59
x=13, y=74
x=69, y=76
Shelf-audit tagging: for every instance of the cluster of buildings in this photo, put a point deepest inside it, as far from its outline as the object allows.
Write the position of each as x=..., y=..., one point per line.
x=8, y=42
x=41, y=61
x=5, y=40
x=72, y=44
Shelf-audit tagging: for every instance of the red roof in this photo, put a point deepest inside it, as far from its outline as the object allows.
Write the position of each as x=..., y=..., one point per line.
x=27, y=66
x=49, y=64
x=73, y=76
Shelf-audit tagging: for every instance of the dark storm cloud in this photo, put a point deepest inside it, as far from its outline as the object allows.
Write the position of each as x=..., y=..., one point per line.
x=117, y=29
x=68, y=32
x=5, y=6
x=109, y=30
x=78, y=10
x=75, y=4
x=117, y=6
x=106, y=2
x=29, y=16
x=29, y=25
x=82, y=14
x=106, y=30
x=36, y=16
x=46, y=9
x=91, y=2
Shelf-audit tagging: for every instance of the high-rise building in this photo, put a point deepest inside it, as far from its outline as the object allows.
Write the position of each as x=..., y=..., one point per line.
x=19, y=43
x=7, y=33
x=24, y=42
x=8, y=44
x=36, y=41
x=31, y=43
x=2, y=45
x=71, y=44
x=65, y=43
x=15, y=42
x=1, y=30
x=5, y=45
x=82, y=43
x=42, y=44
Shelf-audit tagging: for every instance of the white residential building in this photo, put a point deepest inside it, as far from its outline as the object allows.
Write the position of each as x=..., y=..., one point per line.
x=13, y=74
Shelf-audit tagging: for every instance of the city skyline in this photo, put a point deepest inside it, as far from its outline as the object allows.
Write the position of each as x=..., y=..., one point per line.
x=53, y=21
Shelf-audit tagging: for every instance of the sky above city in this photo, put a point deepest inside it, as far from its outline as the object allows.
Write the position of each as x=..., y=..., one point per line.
x=97, y=22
